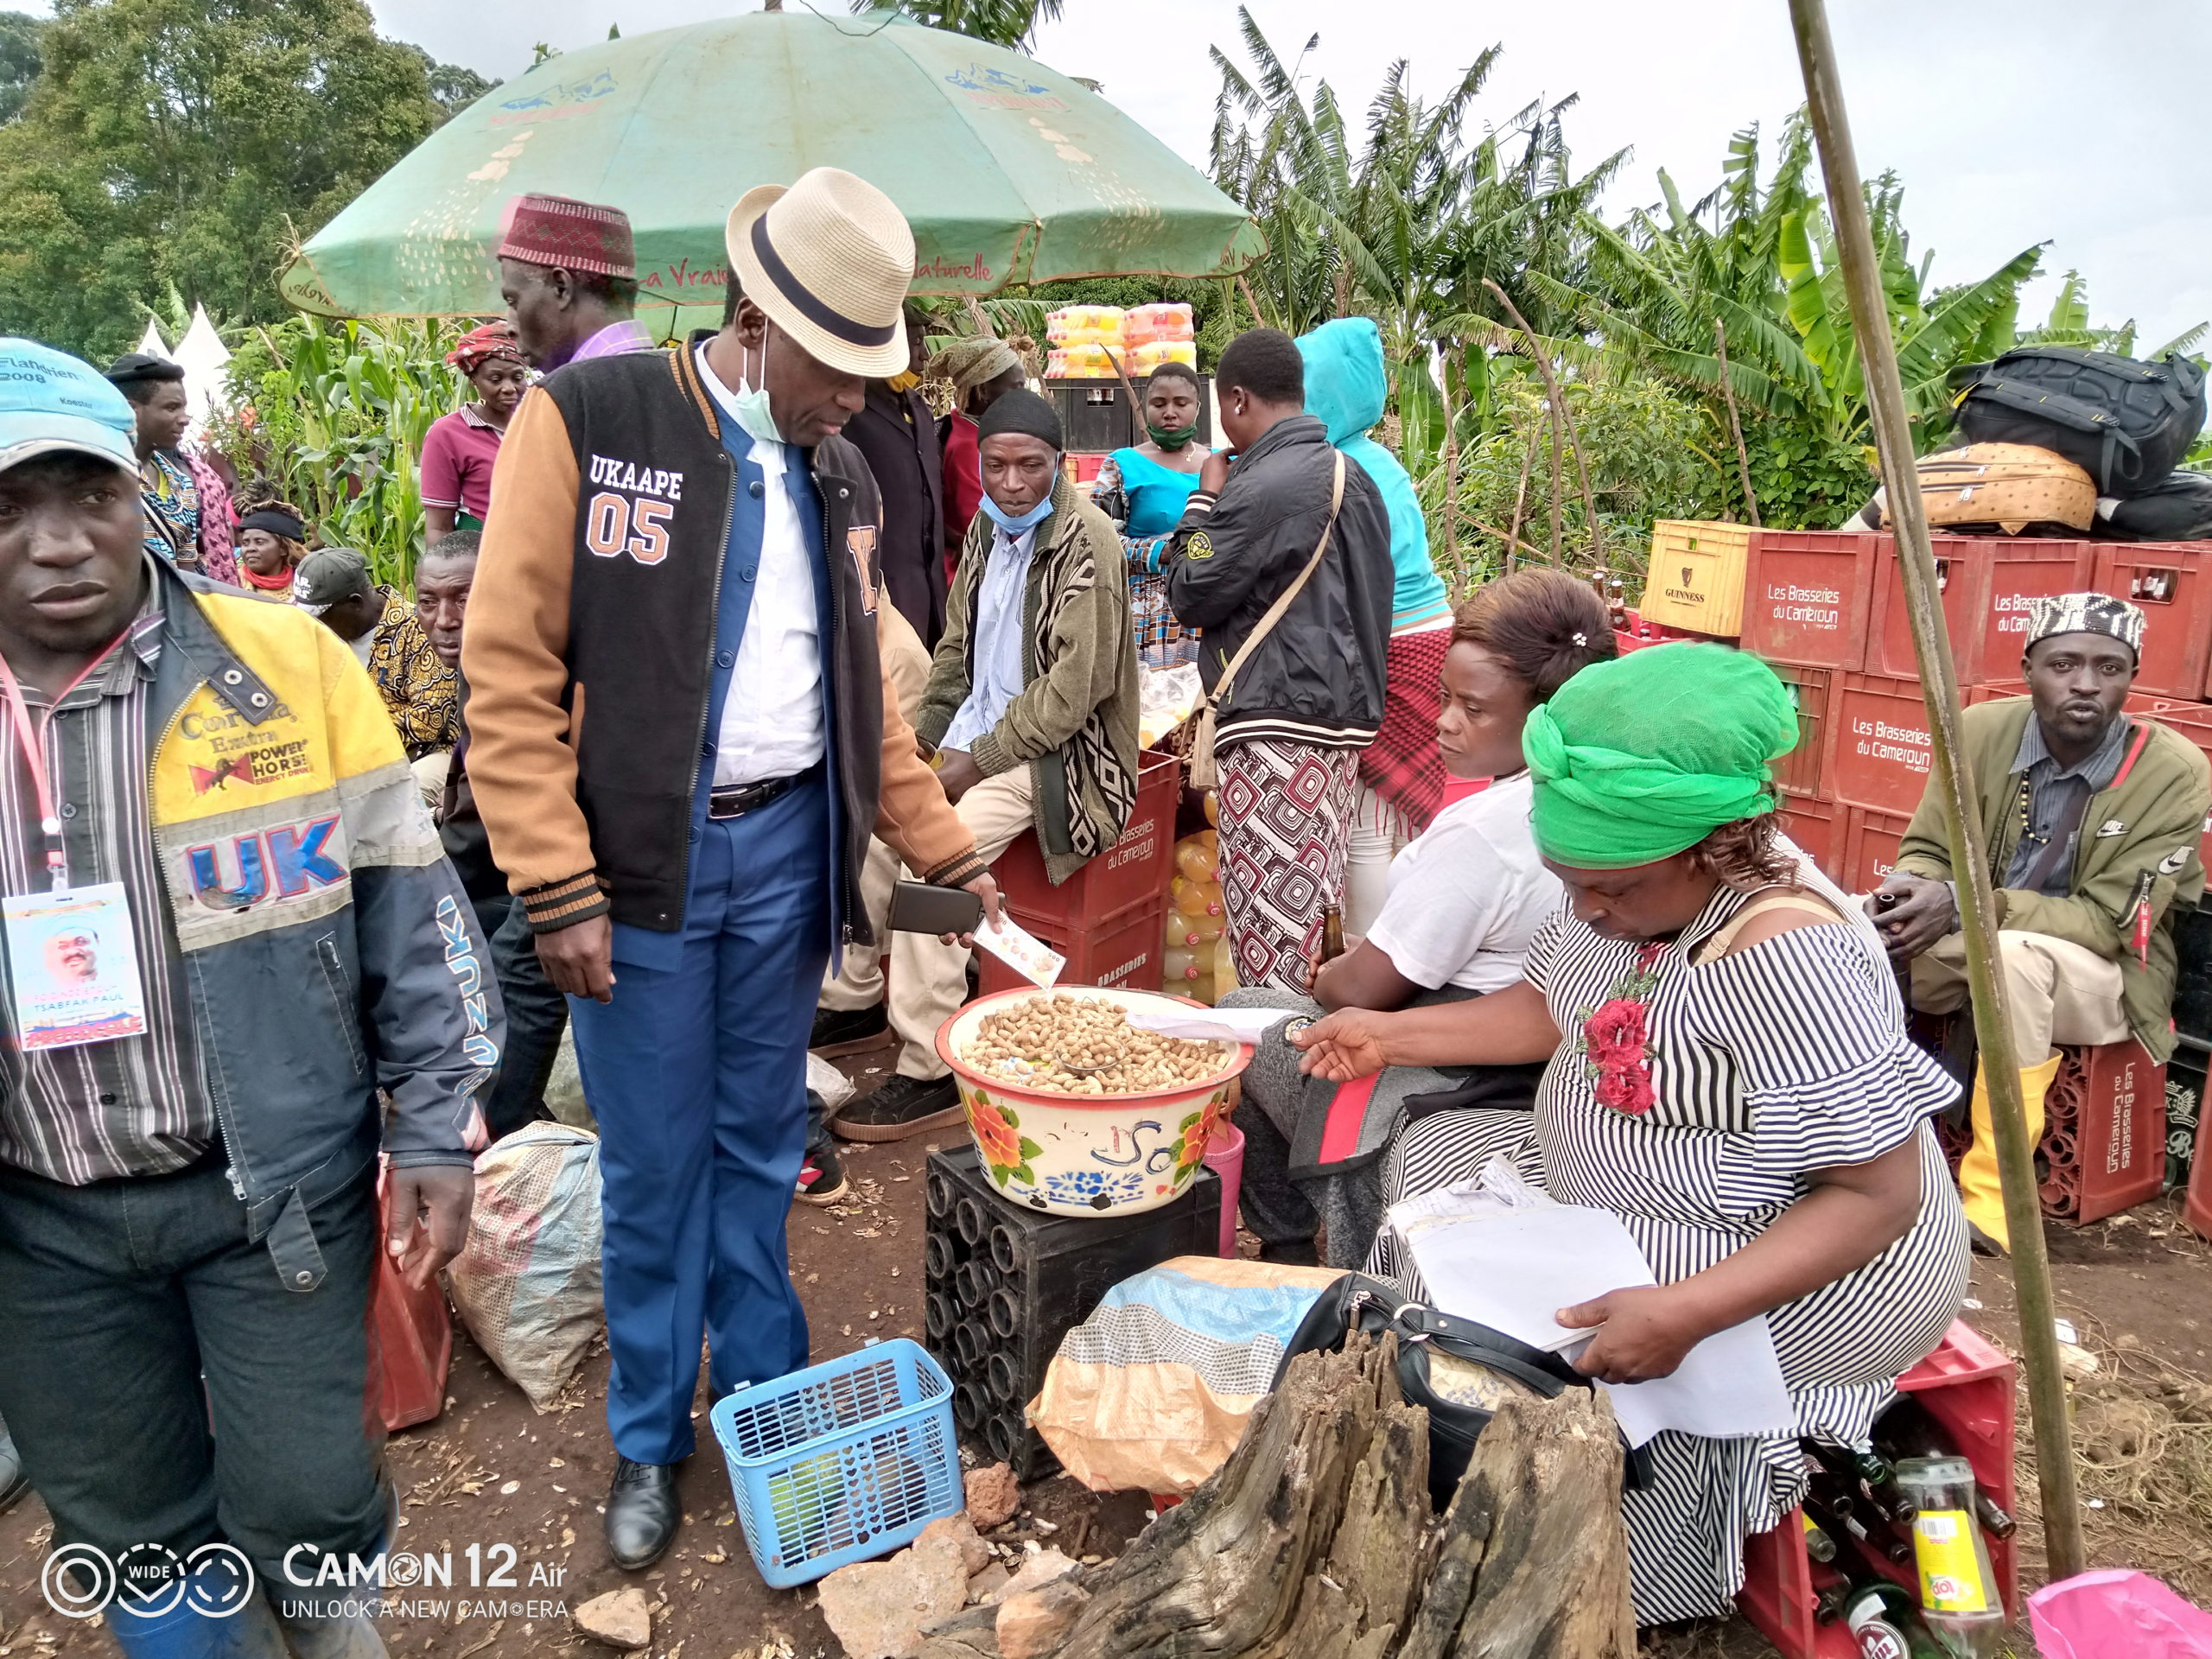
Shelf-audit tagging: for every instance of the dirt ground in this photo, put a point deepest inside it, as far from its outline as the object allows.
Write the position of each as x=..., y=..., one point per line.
x=491, y=1472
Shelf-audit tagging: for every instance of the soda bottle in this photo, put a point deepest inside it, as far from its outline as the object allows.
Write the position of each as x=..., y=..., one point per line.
x=1881, y=1616
x=1908, y=1430
x=1958, y=1590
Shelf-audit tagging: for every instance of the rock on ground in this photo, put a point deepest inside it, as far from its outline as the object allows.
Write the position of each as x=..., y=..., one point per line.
x=1036, y=1573
x=993, y=1495
x=620, y=1618
x=960, y=1530
x=1033, y=1623
x=986, y=1585
x=877, y=1609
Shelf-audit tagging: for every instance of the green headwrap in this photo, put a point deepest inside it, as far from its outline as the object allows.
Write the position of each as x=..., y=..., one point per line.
x=1637, y=760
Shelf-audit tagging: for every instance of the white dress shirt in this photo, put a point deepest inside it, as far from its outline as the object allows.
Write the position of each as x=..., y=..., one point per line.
x=771, y=721
x=994, y=636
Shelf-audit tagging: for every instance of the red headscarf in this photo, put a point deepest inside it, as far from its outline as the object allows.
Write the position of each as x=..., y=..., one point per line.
x=479, y=346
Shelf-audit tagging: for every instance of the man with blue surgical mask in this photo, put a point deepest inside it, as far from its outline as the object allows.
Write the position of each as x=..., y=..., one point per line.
x=680, y=744
x=1030, y=716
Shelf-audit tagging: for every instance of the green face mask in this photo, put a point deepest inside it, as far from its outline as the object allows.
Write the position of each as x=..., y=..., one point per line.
x=1171, y=437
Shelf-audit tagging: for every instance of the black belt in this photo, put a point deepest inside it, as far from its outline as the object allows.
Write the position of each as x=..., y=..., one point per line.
x=735, y=800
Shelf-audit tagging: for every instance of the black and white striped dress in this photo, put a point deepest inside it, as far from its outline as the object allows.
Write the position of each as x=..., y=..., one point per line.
x=1779, y=1059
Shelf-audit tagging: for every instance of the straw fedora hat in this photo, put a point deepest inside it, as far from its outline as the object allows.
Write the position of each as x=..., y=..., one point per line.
x=828, y=259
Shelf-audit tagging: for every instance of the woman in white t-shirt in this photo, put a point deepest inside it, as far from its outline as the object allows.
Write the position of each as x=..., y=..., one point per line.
x=1464, y=900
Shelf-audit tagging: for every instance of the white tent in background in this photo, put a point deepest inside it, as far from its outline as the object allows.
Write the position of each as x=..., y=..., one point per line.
x=153, y=344
x=204, y=357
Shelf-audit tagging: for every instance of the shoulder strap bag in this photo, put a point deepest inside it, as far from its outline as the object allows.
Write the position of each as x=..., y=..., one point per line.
x=1204, y=774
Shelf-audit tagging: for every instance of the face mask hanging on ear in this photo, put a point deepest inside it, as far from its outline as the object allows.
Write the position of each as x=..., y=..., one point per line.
x=1019, y=523
x=752, y=409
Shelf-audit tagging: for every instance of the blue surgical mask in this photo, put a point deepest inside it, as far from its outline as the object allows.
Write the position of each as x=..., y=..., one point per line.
x=751, y=406
x=1015, y=524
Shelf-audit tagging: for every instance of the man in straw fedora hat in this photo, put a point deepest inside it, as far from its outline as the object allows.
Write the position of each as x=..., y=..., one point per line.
x=680, y=744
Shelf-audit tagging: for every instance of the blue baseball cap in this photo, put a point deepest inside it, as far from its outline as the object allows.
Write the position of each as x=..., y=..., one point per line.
x=51, y=402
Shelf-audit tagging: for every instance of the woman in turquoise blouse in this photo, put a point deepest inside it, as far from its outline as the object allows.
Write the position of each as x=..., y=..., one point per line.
x=1144, y=487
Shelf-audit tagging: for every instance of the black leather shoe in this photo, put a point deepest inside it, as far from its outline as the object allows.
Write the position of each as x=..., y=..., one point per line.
x=901, y=1108
x=641, y=1512
x=848, y=1031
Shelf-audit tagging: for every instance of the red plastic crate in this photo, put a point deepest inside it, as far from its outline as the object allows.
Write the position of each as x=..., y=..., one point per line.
x=1134, y=867
x=2104, y=1142
x=2172, y=582
x=1879, y=746
x=1987, y=582
x=1870, y=848
x=1818, y=827
x=1639, y=633
x=1802, y=771
x=1809, y=596
x=1967, y=1386
x=1125, y=948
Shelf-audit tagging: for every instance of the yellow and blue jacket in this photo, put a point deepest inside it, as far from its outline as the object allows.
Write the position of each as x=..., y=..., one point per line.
x=330, y=948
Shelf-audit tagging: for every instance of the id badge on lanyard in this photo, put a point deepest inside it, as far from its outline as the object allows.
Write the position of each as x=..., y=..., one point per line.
x=73, y=955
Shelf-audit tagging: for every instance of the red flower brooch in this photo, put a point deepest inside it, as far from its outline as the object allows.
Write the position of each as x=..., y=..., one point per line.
x=1616, y=1044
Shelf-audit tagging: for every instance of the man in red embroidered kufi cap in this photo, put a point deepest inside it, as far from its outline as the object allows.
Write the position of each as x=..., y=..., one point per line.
x=568, y=273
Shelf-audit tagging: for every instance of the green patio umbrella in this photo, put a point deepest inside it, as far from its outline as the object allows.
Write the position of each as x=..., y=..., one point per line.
x=1008, y=171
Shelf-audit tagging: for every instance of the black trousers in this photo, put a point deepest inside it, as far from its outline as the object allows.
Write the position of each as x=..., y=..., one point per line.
x=118, y=1298
x=536, y=1015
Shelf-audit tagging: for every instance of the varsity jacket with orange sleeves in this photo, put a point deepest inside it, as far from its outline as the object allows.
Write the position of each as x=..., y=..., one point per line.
x=589, y=651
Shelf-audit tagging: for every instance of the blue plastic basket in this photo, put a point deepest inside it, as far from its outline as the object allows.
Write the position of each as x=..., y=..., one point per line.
x=842, y=1462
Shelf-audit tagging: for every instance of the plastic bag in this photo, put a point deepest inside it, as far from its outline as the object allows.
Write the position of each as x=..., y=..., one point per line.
x=1154, y=1389
x=2114, y=1614
x=527, y=1285
x=827, y=1081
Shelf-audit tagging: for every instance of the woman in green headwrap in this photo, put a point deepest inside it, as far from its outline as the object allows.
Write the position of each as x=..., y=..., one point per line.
x=1728, y=1073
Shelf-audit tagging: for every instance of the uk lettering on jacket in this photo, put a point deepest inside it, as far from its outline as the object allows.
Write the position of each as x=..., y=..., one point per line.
x=73, y=966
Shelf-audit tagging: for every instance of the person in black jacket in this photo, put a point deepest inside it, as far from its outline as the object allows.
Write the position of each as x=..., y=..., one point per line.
x=896, y=433
x=1310, y=696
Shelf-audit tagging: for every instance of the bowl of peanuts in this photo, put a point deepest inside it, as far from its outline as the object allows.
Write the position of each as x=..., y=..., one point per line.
x=1075, y=1110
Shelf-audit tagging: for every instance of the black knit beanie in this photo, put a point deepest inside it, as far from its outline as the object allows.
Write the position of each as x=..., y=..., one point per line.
x=1024, y=412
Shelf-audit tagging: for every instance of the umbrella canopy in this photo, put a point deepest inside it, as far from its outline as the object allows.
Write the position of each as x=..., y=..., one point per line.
x=1008, y=171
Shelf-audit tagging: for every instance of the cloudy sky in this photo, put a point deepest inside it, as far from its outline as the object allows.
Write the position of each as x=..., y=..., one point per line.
x=2043, y=120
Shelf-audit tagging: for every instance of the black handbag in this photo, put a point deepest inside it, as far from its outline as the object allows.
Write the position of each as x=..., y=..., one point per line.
x=1357, y=1302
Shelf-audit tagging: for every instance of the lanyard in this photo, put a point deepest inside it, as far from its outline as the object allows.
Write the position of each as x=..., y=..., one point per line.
x=32, y=734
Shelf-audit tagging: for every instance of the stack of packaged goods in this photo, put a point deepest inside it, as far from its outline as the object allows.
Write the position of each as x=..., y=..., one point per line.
x=1197, y=962
x=1086, y=340
x=1153, y=335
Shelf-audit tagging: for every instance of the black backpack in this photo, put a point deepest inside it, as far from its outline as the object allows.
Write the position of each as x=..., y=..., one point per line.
x=2124, y=422
x=2177, y=508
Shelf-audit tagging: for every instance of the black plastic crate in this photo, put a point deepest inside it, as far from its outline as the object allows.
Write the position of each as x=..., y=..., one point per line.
x=1003, y=1284
x=2185, y=1089
x=2193, y=973
x=1096, y=416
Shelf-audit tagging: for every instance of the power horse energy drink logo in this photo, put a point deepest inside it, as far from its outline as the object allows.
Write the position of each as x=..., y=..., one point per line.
x=254, y=767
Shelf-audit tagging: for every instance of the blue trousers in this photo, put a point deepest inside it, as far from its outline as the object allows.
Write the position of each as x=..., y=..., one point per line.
x=696, y=1073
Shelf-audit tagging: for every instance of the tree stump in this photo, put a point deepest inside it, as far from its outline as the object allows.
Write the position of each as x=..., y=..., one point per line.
x=1316, y=1537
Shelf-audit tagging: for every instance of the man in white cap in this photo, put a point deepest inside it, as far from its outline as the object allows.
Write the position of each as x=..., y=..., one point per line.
x=2093, y=817
x=680, y=744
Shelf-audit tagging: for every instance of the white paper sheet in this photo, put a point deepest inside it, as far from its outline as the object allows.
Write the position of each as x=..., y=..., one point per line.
x=1215, y=1025
x=1021, y=951
x=1499, y=1252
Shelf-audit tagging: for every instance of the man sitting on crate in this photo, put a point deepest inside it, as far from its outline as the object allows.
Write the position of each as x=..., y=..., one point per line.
x=2093, y=818
x=1031, y=713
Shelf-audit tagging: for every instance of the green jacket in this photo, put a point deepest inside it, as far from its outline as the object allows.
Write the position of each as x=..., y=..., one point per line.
x=1074, y=724
x=2150, y=822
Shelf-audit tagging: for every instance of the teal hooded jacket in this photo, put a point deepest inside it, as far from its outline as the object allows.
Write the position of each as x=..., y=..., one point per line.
x=1346, y=385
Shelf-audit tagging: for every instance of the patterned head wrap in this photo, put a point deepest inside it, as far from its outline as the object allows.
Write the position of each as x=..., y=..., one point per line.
x=2055, y=613
x=1641, y=757
x=479, y=346
x=974, y=361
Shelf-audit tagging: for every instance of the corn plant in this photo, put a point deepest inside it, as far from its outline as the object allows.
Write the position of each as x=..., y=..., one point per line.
x=331, y=416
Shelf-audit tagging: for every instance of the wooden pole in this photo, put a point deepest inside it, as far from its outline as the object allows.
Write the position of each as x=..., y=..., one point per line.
x=1560, y=418
x=1250, y=299
x=2062, y=1518
x=1735, y=426
x=1521, y=497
